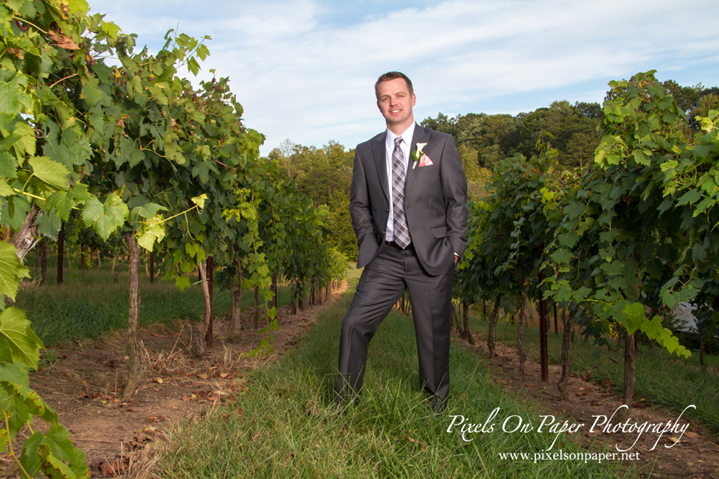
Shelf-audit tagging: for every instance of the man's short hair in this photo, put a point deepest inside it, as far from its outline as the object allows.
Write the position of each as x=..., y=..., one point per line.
x=392, y=76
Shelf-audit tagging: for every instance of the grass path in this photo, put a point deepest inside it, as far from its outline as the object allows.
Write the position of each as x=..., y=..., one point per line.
x=283, y=424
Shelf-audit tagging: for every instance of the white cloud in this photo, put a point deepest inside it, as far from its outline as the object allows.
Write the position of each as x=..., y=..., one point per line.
x=301, y=74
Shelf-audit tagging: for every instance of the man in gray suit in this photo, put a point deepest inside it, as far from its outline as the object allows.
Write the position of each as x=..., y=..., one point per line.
x=409, y=211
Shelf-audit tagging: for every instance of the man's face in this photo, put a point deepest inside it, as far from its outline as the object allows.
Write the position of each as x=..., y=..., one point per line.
x=395, y=103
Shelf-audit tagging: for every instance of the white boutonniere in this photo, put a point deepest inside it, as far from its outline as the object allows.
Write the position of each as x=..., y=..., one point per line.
x=418, y=153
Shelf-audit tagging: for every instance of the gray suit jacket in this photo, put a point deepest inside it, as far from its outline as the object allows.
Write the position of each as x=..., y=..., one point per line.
x=435, y=200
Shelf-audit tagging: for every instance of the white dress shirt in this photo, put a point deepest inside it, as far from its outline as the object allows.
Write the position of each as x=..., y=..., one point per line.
x=389, y=149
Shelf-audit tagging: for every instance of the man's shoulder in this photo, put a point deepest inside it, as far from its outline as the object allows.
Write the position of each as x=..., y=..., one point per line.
x=420, y=131
x=378, y=137
x=434, y=133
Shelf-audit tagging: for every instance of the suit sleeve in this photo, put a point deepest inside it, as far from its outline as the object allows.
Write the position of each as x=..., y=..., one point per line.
x=454, y=189
x=361, y=212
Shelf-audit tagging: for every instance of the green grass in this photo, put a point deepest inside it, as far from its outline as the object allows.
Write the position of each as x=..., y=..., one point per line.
x=283, y=424
x=660, y=378
x=89, y=303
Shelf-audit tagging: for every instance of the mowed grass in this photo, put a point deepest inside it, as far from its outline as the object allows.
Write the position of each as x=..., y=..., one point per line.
x=660, y=377
x=283, y=424
x=89, y=303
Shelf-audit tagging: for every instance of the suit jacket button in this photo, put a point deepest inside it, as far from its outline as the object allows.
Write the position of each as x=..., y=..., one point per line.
x=387, y=210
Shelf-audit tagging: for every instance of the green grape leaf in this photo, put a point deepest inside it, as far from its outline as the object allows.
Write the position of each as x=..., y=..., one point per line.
x=192, y=249
x=5, y=189
x=105, y=218
x=29, y=458
x=18, y=342
x=4, y=438
x=16, y=375
x=202, y=170
x=92, y=92
x=690, y=197
x=18, y=208
x=11, y=270
x=26, y=142
x=182, y=282
x=110, y=29
x=62, y=202
x=562, y=256
x=159, y=95
x=16, y=400
x=13, y=98
x=641, y=157
x=57, y=147
x=200, y=200
x=7, y=165
x=57, y=448
x=49, y=225
x=49, y=171
x=193, y=66
x=634, y=316
x=568, y=239
x=26, y=402
x=202, y=51
x=148, y=210
x=53, y=467
x=653, y=329
x=174, y=152
x=151, y=232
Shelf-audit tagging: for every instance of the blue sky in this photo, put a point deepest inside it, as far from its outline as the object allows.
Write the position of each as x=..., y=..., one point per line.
x=304, y=70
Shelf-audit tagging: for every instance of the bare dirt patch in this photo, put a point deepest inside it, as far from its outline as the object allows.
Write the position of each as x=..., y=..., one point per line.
x=84, y=384
x=695, y=456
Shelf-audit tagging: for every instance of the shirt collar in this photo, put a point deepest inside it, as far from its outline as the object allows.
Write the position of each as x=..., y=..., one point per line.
x=406, y=137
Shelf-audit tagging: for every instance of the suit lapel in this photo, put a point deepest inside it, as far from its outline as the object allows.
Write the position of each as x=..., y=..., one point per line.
x=420, y=135
x=380, y=157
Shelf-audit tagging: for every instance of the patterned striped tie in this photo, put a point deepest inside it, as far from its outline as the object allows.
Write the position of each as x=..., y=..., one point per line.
x=401, y=232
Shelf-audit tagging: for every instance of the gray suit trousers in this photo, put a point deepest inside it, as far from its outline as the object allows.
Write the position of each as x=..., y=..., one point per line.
x=382, y=283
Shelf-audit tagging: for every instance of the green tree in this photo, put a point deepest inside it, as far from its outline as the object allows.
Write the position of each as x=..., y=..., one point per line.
x=339, y=231
x=441, y=123
x=571, y=130
x=706, y=104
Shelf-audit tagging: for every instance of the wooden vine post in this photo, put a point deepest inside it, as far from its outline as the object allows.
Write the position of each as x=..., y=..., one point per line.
x=60, y=249
x=152, y=267
x=134, y=370
x=543, y=356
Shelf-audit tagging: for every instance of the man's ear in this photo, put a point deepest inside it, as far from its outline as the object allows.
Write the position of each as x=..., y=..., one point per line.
x=414, y=99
